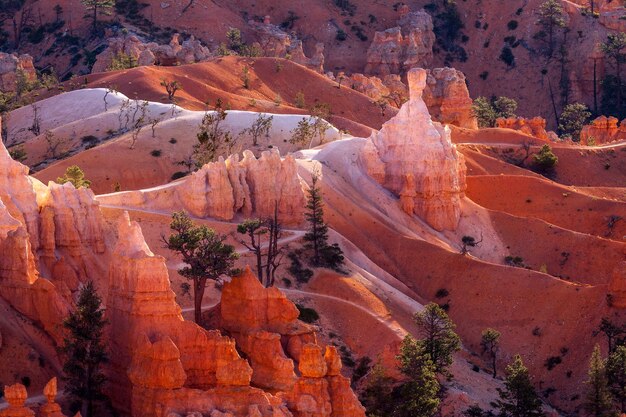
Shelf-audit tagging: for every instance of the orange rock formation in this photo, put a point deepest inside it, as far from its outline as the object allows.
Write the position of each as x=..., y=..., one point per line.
x=225, y=188
x=414, y=158
x=535, y=127
x=164, y=366
x=603, y=130
x=448, y=99
x=403, y=47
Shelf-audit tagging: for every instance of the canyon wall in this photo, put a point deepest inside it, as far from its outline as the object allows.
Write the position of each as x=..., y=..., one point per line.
x=52, y=240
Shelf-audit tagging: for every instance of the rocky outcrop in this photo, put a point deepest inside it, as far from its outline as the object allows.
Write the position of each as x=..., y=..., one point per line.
x=413, y=157
x=12, y=67
x=613, y=15
x=151, y=53
x=262, y=320
x=142, y=305
x=603, y=130
x=50, y=408
x=164, y=366
x=617, y=287
x=227, y=188
x=534, y=127
x=403, y=47
x=274, y=42
x=322, y=390
x=373, y=87
x=16, y=396
x=315, y=62
x=448, y=99
x=51, y=238
x=446, y=94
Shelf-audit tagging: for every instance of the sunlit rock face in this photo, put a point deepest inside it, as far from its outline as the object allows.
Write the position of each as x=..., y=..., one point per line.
x=414, y=158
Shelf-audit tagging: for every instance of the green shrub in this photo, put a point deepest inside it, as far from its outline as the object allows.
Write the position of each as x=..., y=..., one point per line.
x=545, y=159
x=156, y=153
x=512, y=25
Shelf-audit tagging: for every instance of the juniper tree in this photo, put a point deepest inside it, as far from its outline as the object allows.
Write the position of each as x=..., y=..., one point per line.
x=518, y=398
x=84, y=351
x=204, y=252
x=598, y=401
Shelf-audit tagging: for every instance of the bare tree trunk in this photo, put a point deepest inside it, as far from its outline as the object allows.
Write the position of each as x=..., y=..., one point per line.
x=595, y=86
x=199, y=285
x=556, y=115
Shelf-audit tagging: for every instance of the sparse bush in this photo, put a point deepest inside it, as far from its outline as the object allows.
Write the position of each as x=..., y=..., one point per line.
x=299, y=100
x=441, y=293
x=551, y=362
x=122, y=61
x=514, y=261
x=18, y=153
x=179, y=174
x=171, y=87
x=307, y=315
x=341, y=35
x=297, y=270
x=156, y=153
x=512, y=25
x=507, y=56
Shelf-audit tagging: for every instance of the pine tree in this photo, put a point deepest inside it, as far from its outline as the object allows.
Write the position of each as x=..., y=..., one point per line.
x=519, y=398
x=419, y=395
x=84, y=351
x=615, y=49
x=552, y=18
x=97, y=7
x=439, y=338
x=598, y=403
x=317, y=236
x=616, y=375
